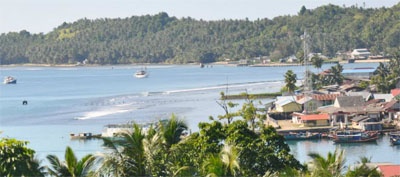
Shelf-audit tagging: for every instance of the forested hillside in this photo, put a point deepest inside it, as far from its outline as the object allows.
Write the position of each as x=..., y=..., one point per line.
x=164, y=39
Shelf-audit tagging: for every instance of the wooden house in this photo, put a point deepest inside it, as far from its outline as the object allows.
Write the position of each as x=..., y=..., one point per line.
x=348, y=101
x=287, y=104
x=367, y=122
x=312, y=120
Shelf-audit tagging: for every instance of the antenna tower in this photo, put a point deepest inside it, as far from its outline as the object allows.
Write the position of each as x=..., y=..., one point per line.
x=307, y=85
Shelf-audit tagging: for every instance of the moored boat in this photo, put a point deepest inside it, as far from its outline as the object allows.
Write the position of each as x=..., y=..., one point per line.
x=142, y=73
x=10, y=80
x=301, y=135
x=349, y=136
x=394, y=138
x=85, y=135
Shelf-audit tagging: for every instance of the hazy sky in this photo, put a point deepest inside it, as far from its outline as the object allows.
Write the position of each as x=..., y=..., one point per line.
x=38, y=16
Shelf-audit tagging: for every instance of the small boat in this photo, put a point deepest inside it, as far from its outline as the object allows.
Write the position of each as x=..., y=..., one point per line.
x=142, y=73
x=85, y=135
x=301, y=135
x=394, y=138
x=10, y=80
x=349, y=136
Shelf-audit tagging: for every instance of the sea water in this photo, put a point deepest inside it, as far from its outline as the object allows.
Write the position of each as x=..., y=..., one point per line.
x=64, y=100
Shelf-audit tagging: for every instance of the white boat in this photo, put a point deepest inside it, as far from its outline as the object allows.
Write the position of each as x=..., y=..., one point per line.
x=141, y=73
x=10, y=80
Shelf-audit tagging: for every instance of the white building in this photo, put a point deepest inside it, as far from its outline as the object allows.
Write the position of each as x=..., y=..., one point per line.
x=360, y=54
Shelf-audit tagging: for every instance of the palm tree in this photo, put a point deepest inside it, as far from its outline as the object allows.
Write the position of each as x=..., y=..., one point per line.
x=126, y=156
x=142, y=153
x=317, y=61
x=362, y=169
x=172, y=130
x=226, y=164
x=71, y=167
x=229, y=157
x=213, y=167
x=290, y=81
x=332, y=166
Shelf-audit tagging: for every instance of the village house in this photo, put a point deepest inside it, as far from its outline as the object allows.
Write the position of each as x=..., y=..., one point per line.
x=284, y=106
x=360, y=53
x=292, y=59
x=347, y=107
x=314, y=101
x=367, y=123
x=311, y=120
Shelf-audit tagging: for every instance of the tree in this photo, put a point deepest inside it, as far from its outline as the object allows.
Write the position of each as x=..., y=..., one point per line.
x=226, y=164
x=336, y=74
x=226, y=106
x=172, y=130
x=362, y=169
x=266, y=147
x=387, y=75
x=332, y=165
x=71, y=167
x=18, y=160
x=230, y=159
x=143, y=153
x=127, y=156
x=290, y=81
x=317, y=61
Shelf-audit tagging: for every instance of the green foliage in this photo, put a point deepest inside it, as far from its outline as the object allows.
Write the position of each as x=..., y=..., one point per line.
x=362, y=169
x=331, y=166
x=164, y=39
x=290, y=81
x=317, y=61
x=18, y=160
x=71, y=167
x=387, y=75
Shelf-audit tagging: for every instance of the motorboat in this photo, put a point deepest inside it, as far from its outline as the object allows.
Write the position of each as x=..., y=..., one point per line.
x=395, y=138
x=85, y=135
x=302, y=136
x=355, y=136
x=142, y=73
x=10, y=80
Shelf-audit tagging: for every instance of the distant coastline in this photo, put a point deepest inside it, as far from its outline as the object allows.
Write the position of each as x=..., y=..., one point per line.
x=272, y=64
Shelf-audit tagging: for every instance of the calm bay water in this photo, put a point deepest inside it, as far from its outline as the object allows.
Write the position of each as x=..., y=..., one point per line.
x=63, y=100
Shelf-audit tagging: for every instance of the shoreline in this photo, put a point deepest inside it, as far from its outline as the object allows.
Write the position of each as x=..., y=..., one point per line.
x=215, y=63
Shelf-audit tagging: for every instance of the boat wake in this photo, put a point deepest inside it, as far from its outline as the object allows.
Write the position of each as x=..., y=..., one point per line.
x=99, y=113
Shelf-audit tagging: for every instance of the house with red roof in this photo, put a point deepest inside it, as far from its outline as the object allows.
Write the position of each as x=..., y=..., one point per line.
x=395, y=92
x=389, y=170
x=312, y=120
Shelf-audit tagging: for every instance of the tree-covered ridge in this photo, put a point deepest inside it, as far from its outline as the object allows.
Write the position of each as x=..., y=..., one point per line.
x=161, y=38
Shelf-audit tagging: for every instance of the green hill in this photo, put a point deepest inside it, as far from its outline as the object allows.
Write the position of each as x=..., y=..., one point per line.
x=164, y=39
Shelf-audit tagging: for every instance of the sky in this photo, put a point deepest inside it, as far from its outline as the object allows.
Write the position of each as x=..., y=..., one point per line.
x=42, y=16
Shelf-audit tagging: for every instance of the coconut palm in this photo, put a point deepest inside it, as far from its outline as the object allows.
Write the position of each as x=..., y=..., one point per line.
x=290, y=81
x=141, y=153
x=172, y=130
x=332, y=166
x=71, y=167
x=362, y=169
x=213, y=167
x=126, y=155
x=226, y=164
x=229, y=157
x=317, y=61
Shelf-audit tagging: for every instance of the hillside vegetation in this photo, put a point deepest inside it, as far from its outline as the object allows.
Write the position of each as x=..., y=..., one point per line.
x=164, y=39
